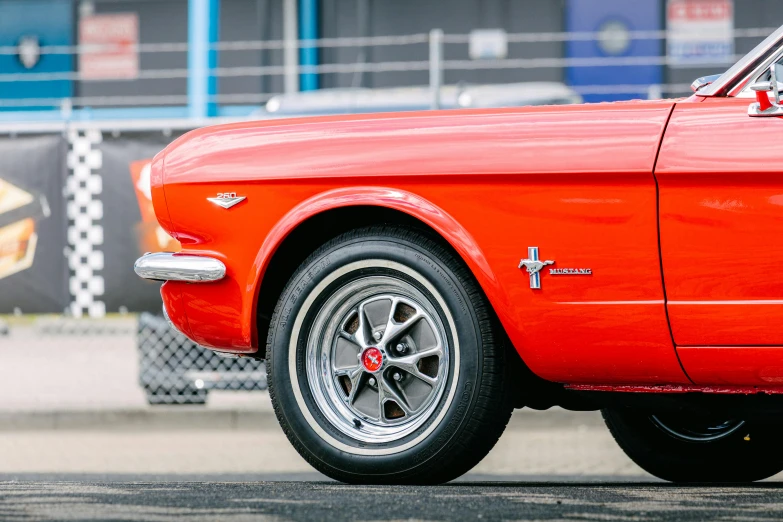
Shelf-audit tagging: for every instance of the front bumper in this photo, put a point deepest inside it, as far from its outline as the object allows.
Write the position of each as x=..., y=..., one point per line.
x=168, y=266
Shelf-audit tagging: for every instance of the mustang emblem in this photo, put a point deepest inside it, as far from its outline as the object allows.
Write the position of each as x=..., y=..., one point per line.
x=534, y=266
x=227, y=199
x=372, y=359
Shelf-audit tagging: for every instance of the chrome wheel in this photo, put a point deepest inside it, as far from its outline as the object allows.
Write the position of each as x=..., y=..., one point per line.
x=385, y=363
x=696, y=430
x=377, y=359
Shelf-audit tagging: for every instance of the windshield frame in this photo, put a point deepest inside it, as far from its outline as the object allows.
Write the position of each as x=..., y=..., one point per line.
x=734, y=79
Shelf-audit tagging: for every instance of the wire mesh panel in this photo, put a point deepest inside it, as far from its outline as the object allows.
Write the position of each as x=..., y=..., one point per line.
x=175, y=370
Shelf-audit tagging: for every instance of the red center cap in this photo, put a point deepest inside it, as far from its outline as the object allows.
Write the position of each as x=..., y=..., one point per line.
x=372, y=358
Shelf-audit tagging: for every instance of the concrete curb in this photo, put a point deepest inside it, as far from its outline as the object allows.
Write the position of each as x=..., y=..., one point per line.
x=191, y=418
x=163, y=418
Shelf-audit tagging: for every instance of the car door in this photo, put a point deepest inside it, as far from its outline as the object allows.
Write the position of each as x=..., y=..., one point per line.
x=720, y=176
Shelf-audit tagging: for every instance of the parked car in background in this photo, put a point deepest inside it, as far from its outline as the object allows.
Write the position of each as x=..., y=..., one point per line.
x=411, y=278
x=461, y=96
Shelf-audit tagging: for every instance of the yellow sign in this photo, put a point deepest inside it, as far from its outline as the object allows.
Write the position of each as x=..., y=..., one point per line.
x=17, y=240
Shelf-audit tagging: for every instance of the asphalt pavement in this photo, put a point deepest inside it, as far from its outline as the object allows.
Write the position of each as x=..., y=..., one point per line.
x=78, y=442
x=318, y=501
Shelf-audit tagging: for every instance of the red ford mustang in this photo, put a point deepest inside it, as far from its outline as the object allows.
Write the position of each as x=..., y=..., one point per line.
x=412, y=278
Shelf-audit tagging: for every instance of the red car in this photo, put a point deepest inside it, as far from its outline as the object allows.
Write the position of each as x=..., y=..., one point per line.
x=411, y=278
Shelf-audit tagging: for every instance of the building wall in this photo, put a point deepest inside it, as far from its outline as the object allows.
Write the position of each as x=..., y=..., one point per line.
x=348, y=18
x=165, y=21
x=160, y=21
x=20, y=19
x=244, y=20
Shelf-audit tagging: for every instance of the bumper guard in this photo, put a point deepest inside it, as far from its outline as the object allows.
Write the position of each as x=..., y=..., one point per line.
x=168, y=266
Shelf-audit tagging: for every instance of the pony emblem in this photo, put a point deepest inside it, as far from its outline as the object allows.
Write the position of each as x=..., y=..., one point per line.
x=534, y=266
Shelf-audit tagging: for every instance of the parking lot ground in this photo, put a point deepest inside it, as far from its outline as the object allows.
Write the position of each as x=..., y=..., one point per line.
x=78, y=442
x=172, y=441
x=318, y=501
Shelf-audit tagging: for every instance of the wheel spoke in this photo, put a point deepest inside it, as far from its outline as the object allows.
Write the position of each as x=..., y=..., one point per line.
x=355, y=376
x=410, y=363
x=346, y=352
x=385, y=392
x=414, y=370
x=362, y=336
x=348, y=337
x=356, y=380
x=393, y=328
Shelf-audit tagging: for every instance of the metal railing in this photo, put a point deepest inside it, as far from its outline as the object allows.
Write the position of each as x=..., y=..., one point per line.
x=435, y=64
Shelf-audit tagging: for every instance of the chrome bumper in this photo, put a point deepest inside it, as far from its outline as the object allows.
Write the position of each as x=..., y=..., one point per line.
x=167, y=266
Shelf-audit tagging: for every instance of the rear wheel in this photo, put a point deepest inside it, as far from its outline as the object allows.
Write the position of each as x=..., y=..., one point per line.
x=690, y=448
x=385, y=364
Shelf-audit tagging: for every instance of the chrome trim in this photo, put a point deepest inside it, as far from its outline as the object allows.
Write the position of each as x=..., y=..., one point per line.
x=774, y=108
x=763, y=87
x=710, y=433
x=227, y=355
x=534, y=266
x=745, y=89
x=761, y=57
x=754, y=111
x=753, y=77
x=166, y=316
x=700, y=83
x=168, y=266
x=227, y=200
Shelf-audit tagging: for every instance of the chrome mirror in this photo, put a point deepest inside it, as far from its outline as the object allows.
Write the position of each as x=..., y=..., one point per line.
x=763, y=106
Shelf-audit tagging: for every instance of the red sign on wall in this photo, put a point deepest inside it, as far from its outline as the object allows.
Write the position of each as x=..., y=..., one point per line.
x=109, y=44
x=700, y=10
x=701, y=32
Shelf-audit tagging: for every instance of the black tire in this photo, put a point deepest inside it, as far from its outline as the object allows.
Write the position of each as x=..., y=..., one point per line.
x=461, y=431
x=744, y=451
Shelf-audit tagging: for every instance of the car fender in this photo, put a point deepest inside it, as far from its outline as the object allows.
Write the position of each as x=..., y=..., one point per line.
x=409, y=203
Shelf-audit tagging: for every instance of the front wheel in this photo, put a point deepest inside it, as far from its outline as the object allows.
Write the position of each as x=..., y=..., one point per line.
x=385, y=364
x=691, y=448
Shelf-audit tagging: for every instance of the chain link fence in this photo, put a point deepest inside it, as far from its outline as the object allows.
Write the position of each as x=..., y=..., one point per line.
x=113, y=363
x=175, y=370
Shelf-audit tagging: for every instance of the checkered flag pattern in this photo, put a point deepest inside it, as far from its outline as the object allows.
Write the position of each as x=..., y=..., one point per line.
x=85, y=233
x=175, y=370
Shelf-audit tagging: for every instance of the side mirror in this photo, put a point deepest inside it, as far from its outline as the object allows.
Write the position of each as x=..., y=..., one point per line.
x=763, y=106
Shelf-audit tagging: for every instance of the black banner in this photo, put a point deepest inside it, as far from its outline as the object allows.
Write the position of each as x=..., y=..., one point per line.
x=129, y=225
x=33, y=267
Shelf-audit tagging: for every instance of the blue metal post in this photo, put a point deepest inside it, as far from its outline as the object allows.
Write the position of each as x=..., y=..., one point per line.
x=308, y=30
x=203, y=25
